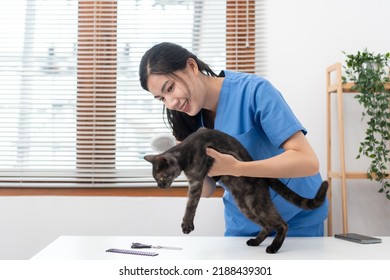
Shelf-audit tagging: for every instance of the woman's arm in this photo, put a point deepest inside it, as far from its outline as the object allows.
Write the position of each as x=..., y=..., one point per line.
x=298, y=160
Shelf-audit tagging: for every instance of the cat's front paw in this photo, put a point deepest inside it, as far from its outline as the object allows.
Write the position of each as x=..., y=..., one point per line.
x=187, y=227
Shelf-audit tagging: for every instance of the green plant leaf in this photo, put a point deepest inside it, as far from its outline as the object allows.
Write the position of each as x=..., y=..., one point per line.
x=369, y=72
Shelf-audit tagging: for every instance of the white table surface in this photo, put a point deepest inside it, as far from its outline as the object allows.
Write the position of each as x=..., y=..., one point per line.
x=212, y=248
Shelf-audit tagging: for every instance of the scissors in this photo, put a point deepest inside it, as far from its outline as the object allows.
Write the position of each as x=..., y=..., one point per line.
x=137, y=245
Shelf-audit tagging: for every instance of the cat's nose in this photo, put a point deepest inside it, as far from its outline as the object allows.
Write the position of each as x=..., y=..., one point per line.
x=162, y=185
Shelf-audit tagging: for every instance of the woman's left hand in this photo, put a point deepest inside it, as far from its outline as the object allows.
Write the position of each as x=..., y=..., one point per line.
x=224, y=164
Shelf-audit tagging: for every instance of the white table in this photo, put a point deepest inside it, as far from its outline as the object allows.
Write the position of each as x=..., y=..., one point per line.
x=212, y=248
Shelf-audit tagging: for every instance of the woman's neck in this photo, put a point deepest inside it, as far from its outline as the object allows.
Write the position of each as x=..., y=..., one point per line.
x=213, y=90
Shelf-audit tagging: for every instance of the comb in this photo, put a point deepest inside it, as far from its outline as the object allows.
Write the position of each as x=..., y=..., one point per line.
x=132, y=252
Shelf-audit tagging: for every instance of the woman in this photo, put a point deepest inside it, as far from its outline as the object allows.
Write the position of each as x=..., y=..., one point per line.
x=248, y=108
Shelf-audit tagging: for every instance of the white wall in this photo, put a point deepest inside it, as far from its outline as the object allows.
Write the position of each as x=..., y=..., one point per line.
x=28, y=224
x=304, y=37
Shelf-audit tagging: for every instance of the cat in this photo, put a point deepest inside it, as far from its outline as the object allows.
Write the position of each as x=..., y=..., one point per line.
x=251, y=194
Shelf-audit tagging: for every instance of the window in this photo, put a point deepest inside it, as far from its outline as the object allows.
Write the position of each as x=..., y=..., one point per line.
x=72, y=112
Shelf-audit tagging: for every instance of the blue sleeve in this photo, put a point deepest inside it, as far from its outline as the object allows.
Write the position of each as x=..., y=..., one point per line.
x=274, y=115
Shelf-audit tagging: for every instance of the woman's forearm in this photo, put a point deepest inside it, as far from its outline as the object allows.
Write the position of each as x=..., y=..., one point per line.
x=286, y=165
x=298, y=160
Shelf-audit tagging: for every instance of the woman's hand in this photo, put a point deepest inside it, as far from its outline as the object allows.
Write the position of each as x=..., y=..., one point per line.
x=224, y=164
x=298, y=160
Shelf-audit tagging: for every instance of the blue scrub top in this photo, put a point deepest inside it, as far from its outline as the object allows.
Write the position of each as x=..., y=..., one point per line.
x=255, y=113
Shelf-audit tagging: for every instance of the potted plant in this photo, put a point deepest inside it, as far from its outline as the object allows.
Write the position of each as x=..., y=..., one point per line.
x=370, y=73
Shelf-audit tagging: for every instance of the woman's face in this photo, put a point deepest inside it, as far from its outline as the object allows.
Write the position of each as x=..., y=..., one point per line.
x=179, y=93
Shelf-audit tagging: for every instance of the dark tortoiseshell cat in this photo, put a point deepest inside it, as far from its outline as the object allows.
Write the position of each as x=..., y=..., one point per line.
x=251, y=194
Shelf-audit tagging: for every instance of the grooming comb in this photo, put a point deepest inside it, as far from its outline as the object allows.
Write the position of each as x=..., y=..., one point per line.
x=132, y=252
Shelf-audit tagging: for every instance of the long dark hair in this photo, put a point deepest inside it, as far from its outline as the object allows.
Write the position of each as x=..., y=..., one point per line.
x=164, y=59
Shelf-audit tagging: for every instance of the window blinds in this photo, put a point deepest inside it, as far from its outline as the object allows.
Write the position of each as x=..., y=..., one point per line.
x=72, y=112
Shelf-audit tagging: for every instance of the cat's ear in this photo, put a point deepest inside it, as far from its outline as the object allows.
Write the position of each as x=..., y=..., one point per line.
x=163, y=162
x=149, y=158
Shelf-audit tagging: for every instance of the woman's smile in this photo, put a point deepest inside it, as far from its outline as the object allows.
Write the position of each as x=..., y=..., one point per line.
x=185, y=107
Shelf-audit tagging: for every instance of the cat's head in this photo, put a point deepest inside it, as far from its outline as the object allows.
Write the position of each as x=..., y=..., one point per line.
x=165, y=169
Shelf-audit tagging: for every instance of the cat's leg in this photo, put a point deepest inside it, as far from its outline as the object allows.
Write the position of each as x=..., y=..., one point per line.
x=265, y=229
x=281, y=232
x=251, y=209
x=268, y=219
x=194, y=194
x=263, y=234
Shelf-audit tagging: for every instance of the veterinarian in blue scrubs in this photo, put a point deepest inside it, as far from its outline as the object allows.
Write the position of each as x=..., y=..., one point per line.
x=253, y=111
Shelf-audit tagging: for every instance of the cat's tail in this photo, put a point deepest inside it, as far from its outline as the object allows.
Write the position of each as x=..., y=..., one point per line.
x=296, y=199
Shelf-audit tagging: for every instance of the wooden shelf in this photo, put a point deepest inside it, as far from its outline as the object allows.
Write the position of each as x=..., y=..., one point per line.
x=348, y=175
x=347, y=88
x=339, y=88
